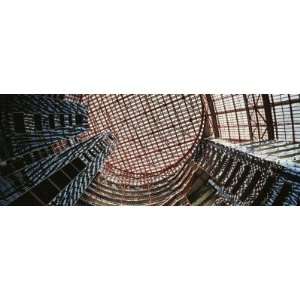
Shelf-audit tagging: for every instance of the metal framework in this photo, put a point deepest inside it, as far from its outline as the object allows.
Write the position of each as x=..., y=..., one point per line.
x=242, y=177
x=155, y=132
x=158, y=134
x=156, y=160
x=242, y=118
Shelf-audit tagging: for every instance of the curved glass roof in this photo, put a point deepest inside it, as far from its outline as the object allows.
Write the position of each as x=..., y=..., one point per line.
x=155, y=133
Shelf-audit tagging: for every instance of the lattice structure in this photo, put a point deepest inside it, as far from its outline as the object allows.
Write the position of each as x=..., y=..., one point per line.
x=157, y=137
x=242, y=178
x=155, y=132
x=286, y=117
x=241, y=118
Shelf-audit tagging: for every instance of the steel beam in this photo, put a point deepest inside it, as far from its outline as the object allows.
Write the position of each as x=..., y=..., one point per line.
x=269, y=118
x=248, y=116
x=213, y=115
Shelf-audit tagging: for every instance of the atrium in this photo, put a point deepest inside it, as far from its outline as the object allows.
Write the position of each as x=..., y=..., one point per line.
x=114, y=149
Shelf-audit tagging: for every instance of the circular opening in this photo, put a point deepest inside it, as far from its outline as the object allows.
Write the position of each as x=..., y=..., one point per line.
x=154, y=132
